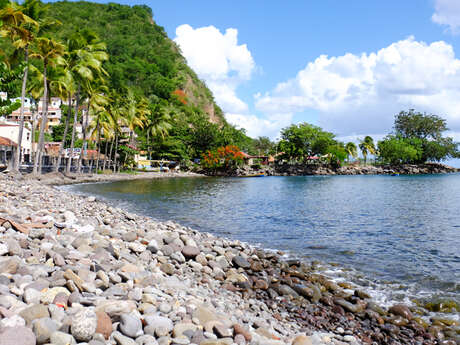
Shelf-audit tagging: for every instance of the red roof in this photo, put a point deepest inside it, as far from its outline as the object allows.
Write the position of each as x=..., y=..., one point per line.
x=7, y=142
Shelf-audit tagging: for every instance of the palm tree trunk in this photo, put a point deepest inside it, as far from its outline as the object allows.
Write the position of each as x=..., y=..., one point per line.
x=84, y=127
x=72, y=142
x=18, y=157
x=110, y=154
x=43, y=124
x=98, y=144
x=66, y=129
x=116, y=150
x=148, y=145
x=33, y=137
x=105, y=153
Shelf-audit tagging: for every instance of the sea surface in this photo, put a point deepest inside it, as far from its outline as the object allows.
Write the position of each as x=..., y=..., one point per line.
x=398, y=237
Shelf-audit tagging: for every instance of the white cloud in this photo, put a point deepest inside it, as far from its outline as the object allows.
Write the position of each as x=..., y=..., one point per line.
x=256, y=126
x=218, y=59
x=447, y=12
x=360, y=94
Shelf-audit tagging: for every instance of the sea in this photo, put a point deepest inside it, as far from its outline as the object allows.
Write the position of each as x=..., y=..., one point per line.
x=396, y=237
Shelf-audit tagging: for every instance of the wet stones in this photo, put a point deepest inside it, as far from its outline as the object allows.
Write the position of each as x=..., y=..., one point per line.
x=401, y=310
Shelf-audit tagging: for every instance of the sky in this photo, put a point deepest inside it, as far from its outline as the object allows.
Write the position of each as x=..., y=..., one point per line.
x=347, y=66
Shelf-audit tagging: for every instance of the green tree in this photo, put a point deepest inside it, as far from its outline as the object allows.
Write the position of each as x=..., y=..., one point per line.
x=19, y=27
x=303, y=140
x=367, y=146
x=263, y=145
x=49, y=52
x=7, y=79
x=428, y=129
x=351, y=149
x=398, y=150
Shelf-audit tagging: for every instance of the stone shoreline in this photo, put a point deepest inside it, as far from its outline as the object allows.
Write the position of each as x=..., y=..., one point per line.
x=76, y=270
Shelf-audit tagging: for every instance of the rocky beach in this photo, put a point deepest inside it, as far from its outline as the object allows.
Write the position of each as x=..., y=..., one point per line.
x=75, y=270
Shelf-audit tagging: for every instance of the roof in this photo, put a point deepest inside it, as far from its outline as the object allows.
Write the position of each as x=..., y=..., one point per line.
x=7, y=142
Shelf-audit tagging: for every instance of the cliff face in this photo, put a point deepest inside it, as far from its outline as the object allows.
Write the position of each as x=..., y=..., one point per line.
x=142, y=56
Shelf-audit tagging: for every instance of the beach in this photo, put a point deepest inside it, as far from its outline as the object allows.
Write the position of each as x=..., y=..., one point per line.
x=74, y=269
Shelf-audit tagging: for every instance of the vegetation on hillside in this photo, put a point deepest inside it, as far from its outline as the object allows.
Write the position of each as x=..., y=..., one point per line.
x=121, y=70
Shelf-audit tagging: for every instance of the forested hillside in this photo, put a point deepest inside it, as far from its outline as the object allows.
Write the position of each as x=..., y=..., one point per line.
x=141, y=56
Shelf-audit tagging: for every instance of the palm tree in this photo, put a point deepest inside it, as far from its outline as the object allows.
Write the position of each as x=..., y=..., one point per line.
x=50, y=53
x=60, y=83
x=136, y=112
x=19, y=27
x=367, y=146
x=85, y=57
x=158, y=123
x=351, y=149
x=97, y=101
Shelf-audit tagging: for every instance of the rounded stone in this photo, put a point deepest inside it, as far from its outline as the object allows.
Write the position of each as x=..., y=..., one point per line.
x=302, y=340
x=43, y=328
x=239, y=261
x=84, y=325
x=17, y=335
x=401, y=310
x=104, y=324
x=190, y=252
x=130, y=325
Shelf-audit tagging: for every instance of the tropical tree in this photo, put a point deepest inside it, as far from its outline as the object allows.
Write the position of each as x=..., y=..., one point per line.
x=352, y=150
x=367, y=147
x=50, y=53
x=8, y=77
x=20, y=27
x=85, y=55
x=158, y=124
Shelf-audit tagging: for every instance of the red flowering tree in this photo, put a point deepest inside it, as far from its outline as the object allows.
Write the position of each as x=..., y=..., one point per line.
x=180, y=95
x=223, y=159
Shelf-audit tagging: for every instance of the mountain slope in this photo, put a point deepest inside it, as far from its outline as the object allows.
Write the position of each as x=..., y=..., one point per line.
x=142, y=56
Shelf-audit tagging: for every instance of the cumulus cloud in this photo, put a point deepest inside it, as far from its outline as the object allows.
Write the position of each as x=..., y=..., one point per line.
x=447, y=12
x=256, y=126
x=360, y=94
x=218, y=59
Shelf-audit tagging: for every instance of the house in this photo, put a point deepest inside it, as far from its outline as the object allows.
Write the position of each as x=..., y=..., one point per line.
x=10, y=131
x=32, y=112
x=6, y=151
x=251, y=160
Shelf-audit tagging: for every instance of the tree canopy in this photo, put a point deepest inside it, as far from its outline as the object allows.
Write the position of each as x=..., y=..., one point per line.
x=418, y=138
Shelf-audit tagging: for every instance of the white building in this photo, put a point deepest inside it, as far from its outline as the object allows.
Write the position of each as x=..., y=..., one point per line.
x=10, y=130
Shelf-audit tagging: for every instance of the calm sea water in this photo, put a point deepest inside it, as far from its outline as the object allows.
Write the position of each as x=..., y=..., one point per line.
x=399, y=237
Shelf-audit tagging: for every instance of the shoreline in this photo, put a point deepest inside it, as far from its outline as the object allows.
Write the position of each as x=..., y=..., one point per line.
x=294, y=297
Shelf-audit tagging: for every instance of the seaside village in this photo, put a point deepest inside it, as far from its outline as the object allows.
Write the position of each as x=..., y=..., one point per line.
x=33, y=111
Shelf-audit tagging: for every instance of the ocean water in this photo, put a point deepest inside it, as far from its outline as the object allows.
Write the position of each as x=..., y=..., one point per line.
x=398, y=237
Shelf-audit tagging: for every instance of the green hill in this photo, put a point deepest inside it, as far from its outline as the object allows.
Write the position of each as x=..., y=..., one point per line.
x=142, y=56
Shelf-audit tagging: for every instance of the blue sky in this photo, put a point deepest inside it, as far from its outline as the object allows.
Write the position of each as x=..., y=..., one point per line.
x=348, y=66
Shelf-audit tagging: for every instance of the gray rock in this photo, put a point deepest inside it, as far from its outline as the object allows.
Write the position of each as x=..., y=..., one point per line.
x=190, y=252
x=129, y=236
x=123, y=340
x=130, y=325
x=61, y=338
x=239, y=261
x=17, y=336
x=84, y=324
x=37, y=311
x=43, y=328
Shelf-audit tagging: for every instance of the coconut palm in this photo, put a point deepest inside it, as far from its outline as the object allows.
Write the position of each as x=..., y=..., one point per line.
x=351, y=149
x=158, y=123
x=136, y=112
x=97, y=101
x=50, y=53
x=20, y=27
x=367, y=146
x=85, y=57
